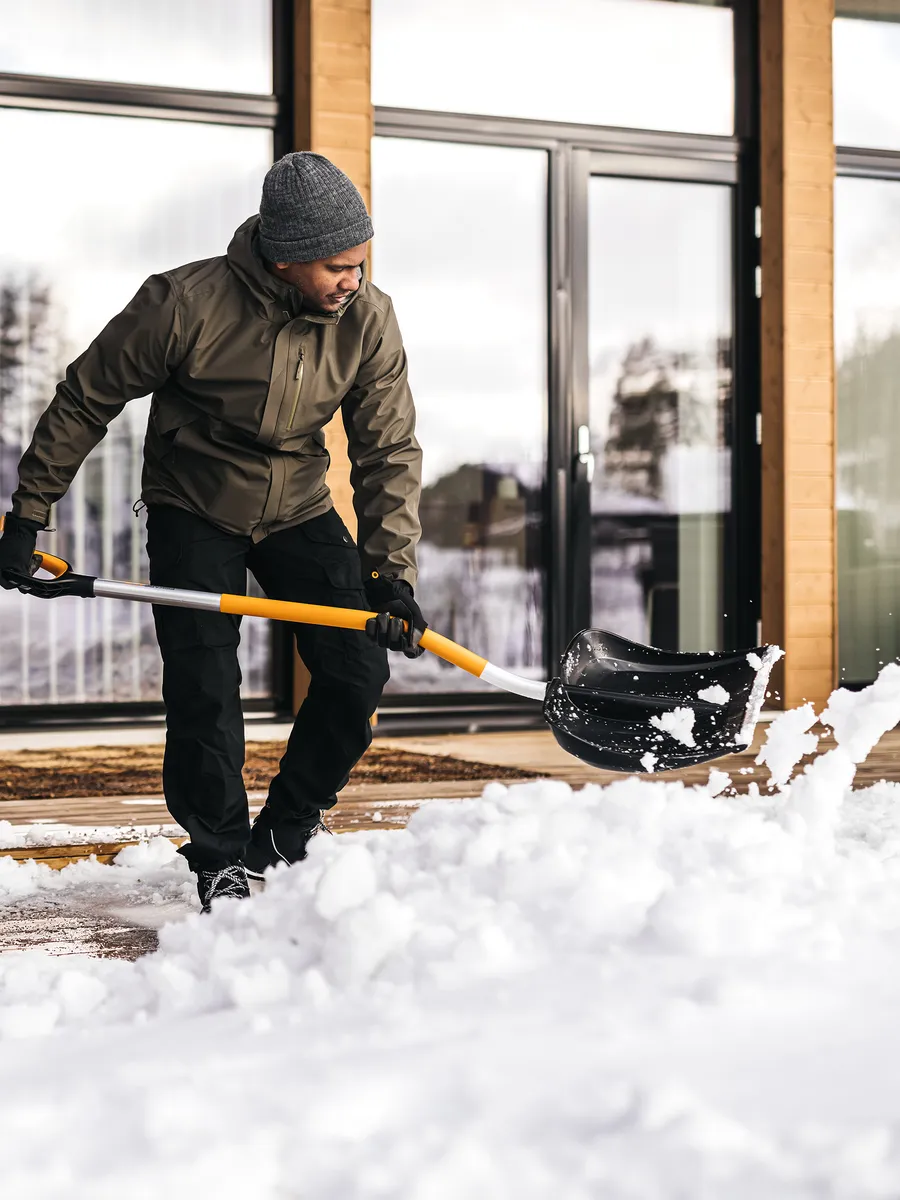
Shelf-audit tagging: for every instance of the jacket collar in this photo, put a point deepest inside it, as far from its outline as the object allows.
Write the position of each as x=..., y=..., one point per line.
x=247, y=263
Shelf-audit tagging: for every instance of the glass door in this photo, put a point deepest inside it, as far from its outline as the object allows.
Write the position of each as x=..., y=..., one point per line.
x=653, y=420
x=469, y=286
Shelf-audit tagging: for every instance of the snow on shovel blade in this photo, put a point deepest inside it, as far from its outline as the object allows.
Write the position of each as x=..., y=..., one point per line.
x=627, y=707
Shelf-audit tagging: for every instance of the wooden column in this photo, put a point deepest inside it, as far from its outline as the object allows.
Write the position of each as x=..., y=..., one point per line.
x=333, y=116
x=798, y=393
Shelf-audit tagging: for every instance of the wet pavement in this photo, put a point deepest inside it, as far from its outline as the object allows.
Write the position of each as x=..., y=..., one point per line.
x=64, y=929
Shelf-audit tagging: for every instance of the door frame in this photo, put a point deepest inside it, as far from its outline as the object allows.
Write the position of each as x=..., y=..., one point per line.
x=574, y=153
x=717, y=169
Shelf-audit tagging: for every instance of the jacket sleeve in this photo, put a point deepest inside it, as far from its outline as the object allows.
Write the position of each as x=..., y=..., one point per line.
x=131, y=357
x=385, y=458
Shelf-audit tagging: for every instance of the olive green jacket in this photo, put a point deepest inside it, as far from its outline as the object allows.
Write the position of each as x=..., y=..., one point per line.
x=243, y=383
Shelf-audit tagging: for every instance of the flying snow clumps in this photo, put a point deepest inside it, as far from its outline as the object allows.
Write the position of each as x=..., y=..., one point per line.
x=859, y=719
x=678, y=724
x=715, y=694
x=787, y=741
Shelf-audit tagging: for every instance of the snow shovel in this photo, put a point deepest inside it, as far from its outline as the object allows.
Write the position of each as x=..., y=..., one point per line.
x=615, y=704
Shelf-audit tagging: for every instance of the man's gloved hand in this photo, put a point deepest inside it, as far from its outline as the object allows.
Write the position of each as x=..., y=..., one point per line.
x=17, y=547
x=393, y=600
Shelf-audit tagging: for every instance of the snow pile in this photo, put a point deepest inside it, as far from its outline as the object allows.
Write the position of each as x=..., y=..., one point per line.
x=639, y=991
x=52, y=833
x=151, y=871
x=787, y=741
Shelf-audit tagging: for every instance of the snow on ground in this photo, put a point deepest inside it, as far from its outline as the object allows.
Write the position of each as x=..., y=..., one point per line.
x=54, y=833
x=150, y=880
x=637, y=992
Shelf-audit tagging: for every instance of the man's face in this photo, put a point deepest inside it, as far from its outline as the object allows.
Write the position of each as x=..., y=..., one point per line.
x=327, y=283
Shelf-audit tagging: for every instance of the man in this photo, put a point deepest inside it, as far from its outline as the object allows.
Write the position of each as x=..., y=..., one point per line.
x=248, y=356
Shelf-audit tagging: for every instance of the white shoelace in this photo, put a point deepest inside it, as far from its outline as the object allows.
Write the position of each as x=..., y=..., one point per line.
x=230, y=881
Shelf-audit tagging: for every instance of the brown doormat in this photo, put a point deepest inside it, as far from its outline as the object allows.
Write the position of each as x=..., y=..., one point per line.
x=137, y=770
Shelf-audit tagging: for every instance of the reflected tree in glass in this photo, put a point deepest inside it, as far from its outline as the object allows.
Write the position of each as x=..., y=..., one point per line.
x=660, y=389
x=142, y=196
x=867, y=344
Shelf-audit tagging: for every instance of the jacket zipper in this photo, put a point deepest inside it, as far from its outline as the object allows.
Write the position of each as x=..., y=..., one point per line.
x=298, y=375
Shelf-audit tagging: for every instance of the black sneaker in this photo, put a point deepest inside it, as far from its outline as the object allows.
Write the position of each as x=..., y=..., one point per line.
x=229, y=881
x=271, y=844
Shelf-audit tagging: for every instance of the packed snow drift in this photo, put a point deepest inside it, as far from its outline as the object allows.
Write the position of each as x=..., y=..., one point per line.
x=637, y=992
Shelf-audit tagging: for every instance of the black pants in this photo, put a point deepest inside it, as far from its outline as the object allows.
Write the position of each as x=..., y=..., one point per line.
x=315, y=562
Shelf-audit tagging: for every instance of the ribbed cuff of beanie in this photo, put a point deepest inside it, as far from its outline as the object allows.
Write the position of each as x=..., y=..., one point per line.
x=312, y=249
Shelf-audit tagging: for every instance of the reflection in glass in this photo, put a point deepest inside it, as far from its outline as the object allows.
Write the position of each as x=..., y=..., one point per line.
x=660, y=333
x=65, y=269
x=217, y=45
x=867, y=83
x=645, y=64
x=867, y=349
x=469, y=288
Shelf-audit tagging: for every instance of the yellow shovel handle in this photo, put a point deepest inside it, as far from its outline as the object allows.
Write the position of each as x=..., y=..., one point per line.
x=346, y=618
x=49, y=562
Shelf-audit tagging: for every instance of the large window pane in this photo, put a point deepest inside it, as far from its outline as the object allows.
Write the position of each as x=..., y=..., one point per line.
x=867, y=82
x=867, y=345
x=134, y=197
x=645, y=64
x=660, y=387
x=460, y=246
x=218, y=45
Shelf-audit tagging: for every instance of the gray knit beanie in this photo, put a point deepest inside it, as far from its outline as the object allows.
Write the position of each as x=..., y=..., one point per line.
x=309, y=210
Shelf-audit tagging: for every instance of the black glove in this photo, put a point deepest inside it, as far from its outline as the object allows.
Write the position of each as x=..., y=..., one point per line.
x=393, y=600
x=17, y=547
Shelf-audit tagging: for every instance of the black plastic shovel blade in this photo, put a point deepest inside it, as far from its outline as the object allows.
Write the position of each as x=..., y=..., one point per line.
x=627, y=707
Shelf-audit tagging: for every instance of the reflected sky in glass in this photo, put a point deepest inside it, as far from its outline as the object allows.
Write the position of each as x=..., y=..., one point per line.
x=96, y=204
x=867, y=83
x=218, y=45
x=866, y=260
x=460, y=248
x=644, y=64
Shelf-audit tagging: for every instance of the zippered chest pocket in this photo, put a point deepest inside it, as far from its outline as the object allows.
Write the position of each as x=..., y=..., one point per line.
x=298, y=387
